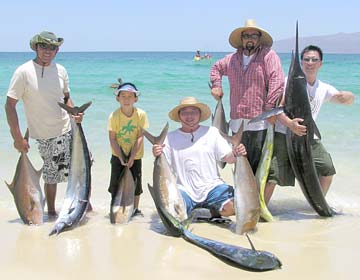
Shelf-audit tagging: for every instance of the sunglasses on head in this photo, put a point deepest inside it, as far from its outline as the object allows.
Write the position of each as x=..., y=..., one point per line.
x=312, y=59
x=45, y=46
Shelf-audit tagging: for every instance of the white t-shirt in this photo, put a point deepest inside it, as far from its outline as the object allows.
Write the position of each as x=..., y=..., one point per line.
x=195, y=162
x=41, y=88
x=318, y=94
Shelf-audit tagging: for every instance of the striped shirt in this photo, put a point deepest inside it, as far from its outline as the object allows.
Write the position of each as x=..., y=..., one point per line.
x=254, y=89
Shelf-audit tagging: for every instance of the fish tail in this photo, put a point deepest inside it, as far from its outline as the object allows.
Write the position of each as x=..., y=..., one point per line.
x=156, y=139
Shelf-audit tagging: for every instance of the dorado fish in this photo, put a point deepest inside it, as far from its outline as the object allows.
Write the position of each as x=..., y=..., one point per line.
x=164, y=181
x=122, y=206
x=25, y=188
x=262, y=172
x=79, y=183
x=248, y=259
x=299, y=147
x=246, y=195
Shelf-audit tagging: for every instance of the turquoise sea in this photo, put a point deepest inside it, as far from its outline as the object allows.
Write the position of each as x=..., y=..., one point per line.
x=163, y=79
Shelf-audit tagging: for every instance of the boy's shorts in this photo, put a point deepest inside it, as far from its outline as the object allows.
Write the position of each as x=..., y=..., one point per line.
x=215, y=200
x=56, y=154
x=281, y=172
x=116, y=171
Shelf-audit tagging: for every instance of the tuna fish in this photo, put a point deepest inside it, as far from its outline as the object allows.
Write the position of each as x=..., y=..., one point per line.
x=79, y=183
x=25, y=188
x=262, y=172
x=122, y=206
x=164, y=181
x=219, y=121
x=246, y=195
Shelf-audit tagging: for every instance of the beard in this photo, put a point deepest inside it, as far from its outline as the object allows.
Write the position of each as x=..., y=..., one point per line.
x=250, y=46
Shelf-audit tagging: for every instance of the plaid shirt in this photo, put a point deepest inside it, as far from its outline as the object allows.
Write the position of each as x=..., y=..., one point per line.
x=252, y=90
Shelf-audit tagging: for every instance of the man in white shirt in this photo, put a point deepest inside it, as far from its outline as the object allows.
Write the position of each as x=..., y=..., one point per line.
x=193, y=151
x=41, y=84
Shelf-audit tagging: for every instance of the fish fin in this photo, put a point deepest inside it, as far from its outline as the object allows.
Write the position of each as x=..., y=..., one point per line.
x=251, y=244
x=186, y=223
x=83, y=107
x=10, y=186
x=236, y=138
x=151, y=190
x=26, y=136
x=75, y=110
x=67, y=108
x=158, y=139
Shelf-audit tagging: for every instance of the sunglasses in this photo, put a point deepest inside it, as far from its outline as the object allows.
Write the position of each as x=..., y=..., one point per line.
x=250, y=36
x=312, y=59
x=45, y=46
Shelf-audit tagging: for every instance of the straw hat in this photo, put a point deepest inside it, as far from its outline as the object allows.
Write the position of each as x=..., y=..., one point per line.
x=47, y=38
x=235, y=37
x=190, y=102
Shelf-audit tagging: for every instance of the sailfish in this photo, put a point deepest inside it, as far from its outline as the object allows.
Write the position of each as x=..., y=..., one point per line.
x=297, y=105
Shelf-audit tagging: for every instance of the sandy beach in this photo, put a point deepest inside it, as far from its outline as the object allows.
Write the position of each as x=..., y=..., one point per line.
x=309, y=247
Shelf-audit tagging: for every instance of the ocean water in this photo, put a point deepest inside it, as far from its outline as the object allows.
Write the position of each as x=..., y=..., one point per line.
x=163, y=78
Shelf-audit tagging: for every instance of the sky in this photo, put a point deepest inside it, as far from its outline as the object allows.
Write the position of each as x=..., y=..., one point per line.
x=167, y=25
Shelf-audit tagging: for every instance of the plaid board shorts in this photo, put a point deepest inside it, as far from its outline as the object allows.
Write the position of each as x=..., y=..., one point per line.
x=56, y=154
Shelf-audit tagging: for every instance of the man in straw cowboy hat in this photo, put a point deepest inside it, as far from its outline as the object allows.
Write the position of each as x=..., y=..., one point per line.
x=256, y=81
x=41, y=84
x=193, y=151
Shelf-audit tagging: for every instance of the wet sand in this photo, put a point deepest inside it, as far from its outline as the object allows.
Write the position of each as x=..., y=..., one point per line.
x=310, y=247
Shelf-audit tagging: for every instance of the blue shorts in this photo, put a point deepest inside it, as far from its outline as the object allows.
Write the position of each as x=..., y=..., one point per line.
x=215, y=200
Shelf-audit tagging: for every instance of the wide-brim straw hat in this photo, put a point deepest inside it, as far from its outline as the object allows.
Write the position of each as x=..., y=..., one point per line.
x=235, y=37
x=190, y=102
x=47, y=38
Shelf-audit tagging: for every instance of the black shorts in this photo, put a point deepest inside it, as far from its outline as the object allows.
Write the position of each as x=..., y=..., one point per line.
x=253, y=142
x=116, y=170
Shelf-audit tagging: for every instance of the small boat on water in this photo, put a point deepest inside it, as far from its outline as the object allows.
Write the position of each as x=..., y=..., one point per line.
x=199, y=57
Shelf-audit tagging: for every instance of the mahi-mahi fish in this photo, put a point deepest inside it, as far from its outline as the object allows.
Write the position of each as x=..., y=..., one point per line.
x=297, y=105
x=122, y=205
x=79, y=182
x=246, y=195
x=25, y=188
x=248, y=259
x=164, y=180
x=262, y=172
